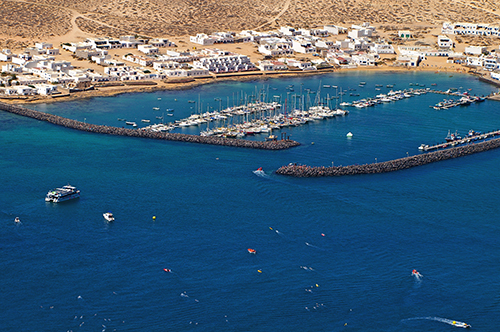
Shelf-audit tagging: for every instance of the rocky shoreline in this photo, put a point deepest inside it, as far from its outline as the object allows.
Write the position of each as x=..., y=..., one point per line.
x=389, y=166
x=109, y=130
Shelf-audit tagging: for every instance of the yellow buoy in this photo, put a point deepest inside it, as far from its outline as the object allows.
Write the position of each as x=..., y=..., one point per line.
x=154, y=217
x=317, y=285
x=260, y=271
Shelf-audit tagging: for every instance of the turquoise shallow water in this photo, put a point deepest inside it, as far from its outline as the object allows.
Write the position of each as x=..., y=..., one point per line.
x=64, y=268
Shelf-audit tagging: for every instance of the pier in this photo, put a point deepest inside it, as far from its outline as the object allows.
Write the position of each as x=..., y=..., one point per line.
x=391, y=165
x=455, y=142
x=109, y=130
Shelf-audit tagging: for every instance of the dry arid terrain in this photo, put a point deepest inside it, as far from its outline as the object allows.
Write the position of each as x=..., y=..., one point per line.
x=25, y=21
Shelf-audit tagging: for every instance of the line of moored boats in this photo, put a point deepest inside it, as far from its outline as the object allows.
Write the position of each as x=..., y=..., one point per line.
x=463, y=101
x=388, y=97
x=249, y=119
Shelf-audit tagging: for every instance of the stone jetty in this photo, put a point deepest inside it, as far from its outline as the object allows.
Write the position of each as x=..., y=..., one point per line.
x=389, y=166
x=109, y=130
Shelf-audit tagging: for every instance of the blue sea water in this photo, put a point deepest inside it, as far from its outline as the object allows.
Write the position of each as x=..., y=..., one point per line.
x=333, y=254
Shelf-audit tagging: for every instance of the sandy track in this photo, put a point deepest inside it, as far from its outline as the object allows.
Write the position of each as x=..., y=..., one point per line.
x=275, y=18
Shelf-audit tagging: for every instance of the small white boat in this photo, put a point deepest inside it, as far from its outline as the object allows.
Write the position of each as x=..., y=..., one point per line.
x=146, y=121
x=349, y=134
x=17, y=220
x=108, y=216
x=156, y=108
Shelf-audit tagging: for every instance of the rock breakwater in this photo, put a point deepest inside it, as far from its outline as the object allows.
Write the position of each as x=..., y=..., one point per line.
x=109, y=130
x=389, y=166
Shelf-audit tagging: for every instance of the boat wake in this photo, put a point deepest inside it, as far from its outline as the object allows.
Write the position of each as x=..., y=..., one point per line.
x=260, y=172
x=313, y=246
x=442, y=320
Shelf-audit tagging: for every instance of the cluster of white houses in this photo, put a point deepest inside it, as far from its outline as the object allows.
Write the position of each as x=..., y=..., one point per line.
x=37, y=71
x=471, y=29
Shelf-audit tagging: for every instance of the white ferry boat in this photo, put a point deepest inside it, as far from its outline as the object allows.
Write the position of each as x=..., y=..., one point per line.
x=62, y=194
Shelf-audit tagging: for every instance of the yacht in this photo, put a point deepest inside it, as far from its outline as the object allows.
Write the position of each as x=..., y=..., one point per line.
x=108, y=216
x=62, y=194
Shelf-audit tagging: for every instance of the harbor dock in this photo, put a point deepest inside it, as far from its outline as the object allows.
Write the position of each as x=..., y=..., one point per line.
x=466, y=140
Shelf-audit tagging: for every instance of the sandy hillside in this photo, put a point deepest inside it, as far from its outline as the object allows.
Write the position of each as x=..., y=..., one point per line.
x=25, y=21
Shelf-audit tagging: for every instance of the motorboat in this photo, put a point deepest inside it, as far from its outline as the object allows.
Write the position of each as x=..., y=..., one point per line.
x=17, y=219
x=251, y=251
x=259, y=171
x=108, y=216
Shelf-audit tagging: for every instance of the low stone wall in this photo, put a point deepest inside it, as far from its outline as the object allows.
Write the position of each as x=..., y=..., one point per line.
x=109, y=130
x=389, y=166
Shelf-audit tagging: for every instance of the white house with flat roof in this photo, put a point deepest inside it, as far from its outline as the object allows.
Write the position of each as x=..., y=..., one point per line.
x=275, y=48
x=405, y=34
x=5, y=56
x=382, y=48
x=73, y=47
x=11, y=68
x=45, y=89
x=130, y=41
x=445, y=42
x=302, y=46
x=409, y=60
x=202, y=39
x=148, y=49
x=475, y=50
x=288, y=31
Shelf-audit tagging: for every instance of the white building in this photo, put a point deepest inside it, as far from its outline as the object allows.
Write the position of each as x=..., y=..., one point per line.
x=288, y=31
x=359, y=33
x=45, y=89
x=322, y=43
x=275, y=47
x=445, y=42
x=475, y=61
x=405, y=34
x=11, y=68
x=161, y=42
x=5, y=56
x=130, y=41
x=495, y=75
x=73, y=47
x=302, y=46
x=225, y=64
x=202, y=39
x=222, y=37
x=491, y=63
x=314, y=32
x=334, y=29
x=141, y=60
x=382, y=48
x=475, y=50
x=409, y=60
x=30, y=80
x=364, y=59
x=471, y=29
x=303, y=65
x=104, y=43
x=267, y=65
x=166, y=65
x=148, y=49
